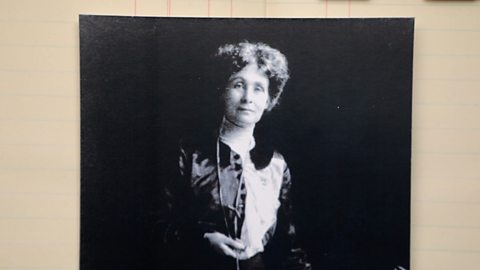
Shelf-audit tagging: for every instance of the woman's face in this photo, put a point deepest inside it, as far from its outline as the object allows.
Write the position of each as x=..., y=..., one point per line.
x=246, y=96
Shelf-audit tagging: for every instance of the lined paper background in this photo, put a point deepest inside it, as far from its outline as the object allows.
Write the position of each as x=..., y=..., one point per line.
x=40, y=120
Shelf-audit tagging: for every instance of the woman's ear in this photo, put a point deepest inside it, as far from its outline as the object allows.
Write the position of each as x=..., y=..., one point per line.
x=268, y=106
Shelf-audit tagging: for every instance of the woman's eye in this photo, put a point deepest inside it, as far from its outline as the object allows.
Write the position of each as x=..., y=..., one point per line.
x=259, y=89
x=238, y=85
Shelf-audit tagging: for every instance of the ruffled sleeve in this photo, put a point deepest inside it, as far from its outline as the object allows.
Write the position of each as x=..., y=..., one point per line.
x=284, y=241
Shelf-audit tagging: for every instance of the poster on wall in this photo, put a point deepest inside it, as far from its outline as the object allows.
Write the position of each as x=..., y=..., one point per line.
x=214, y=143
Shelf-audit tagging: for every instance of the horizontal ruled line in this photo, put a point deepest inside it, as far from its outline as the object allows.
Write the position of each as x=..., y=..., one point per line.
x=38, y=242
x=448, y=29
x=39, y=120
x=39, y=70
x=71, y=169
x=26, y=94
x=446, y=250
x=448, y=79
x=23, y=193
x=448, y=55
x=26, y=45
x=429, y=178
x=442, y=226
x=17, y=20
x=447, y=202
x=448, y=128
x=447, y=104
x=40, y=145
x=37, y=217
x=446, y=153
x=38, y=268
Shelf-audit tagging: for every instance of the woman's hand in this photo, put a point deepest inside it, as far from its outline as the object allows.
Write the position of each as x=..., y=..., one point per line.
x=224, y=245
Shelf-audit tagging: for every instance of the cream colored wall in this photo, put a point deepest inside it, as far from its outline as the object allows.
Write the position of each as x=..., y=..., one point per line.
x=39, y=120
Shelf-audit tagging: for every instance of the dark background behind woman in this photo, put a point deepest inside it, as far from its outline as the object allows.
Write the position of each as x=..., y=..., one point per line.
x=343, y=125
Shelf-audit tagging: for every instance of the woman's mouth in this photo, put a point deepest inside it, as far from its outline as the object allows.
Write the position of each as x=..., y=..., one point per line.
x=245, y=109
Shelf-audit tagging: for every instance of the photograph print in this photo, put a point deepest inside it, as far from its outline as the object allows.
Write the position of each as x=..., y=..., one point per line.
x=215, y=143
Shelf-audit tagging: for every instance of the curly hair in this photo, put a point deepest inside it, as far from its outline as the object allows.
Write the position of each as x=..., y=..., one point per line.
x=271, y=61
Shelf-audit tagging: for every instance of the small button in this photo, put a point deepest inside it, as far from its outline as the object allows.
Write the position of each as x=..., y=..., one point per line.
x=236, y=156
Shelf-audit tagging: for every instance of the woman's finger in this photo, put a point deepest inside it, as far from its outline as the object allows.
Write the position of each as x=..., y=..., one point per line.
x=228, y=251
x=236, y=244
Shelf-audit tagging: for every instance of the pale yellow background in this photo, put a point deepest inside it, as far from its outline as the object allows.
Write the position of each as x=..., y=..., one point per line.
x=39, y=120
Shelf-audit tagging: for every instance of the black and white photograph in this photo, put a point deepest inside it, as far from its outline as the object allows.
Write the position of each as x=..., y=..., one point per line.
x=268, y=144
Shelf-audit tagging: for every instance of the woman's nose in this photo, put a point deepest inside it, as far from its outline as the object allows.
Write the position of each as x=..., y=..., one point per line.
x=247, y=94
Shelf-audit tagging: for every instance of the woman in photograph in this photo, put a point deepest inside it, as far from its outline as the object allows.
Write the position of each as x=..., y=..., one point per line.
x=230, y=207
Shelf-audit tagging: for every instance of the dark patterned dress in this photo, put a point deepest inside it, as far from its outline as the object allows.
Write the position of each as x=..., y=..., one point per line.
x=249, y=201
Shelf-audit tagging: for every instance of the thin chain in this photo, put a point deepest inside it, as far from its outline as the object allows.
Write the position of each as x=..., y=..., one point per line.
x=221, y=201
